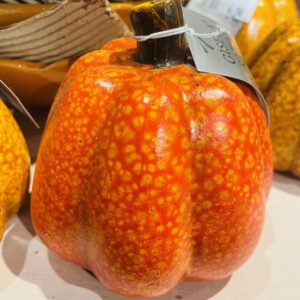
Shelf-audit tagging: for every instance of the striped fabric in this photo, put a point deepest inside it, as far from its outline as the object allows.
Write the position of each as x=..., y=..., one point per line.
x=70, y=29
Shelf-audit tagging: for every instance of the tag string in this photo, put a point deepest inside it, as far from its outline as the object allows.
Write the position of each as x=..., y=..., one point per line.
x=176, y=31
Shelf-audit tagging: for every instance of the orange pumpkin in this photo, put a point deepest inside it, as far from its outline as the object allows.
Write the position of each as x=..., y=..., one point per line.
x=147, y=176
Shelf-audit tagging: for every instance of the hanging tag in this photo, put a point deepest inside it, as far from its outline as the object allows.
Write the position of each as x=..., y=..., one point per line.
x=9, y=98
x=241, y=11
x=219, y=54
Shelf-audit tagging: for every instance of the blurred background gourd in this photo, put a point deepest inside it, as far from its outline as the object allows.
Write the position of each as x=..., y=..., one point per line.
x=14, y=166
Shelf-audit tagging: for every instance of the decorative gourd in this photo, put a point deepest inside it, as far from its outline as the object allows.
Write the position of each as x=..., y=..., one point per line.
x=268, y=14
x=150, y=172
x=14, y=166
x=276, y=71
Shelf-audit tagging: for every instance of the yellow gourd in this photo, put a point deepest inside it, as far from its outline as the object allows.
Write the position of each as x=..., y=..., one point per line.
x=14, y=166
x=268, y=14
x=277, y=72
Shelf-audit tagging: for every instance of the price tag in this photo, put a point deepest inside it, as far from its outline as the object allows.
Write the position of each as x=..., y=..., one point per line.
x=9, y=98
x=218, y=54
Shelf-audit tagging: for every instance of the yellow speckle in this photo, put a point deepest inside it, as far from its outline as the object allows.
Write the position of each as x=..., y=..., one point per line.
x=145, y=148
x=197, y=226
x=178, y=169
x=182, y=207
x=9, y=157
x=132, y=157
x=174, y=116
x=137, y=167
x=142, y=198
x=211, y=80
x=218, y=179
x=229, y=115
x=207, y=204
x=111, y=207
x=169, y=224
x=146, y=180
x=141, y=107
x=151, y=156
x=142, y=251
x=199, y=197
x=129, y=148
x=138, y=121
x=118, y=166
x=127, y=176
x=194, y=186
x=138, y=260
x=113, y=151
x=245, y=129
x=159, y=181
x=238, y=154
x=174, y=162
x=174, y=230
x=148, y=136
x=224, y=195
x=246, y=188
x=208, y=185
x=185, y=143
x=161, y=200
x=128, y=134
x=141, y=217
x=161, y=165
x=153, y=193
x=249, y=162
x=127, y=109
x=208, y=156
x=123, y=205
x=151, y=167
x=131, y=235
x=153, y=115
x=232, y=176
x=160, y=228
x=180, y=219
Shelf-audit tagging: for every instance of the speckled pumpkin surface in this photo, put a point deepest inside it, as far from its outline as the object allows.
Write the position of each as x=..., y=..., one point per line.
x=14, y=166
x=147, y=176
x=277, y=74
x=268, y=14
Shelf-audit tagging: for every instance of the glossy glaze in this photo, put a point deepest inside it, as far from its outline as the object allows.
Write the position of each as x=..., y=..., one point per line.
x=148, y=176
x=35, y=84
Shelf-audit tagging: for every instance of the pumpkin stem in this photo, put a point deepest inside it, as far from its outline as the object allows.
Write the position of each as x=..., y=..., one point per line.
x=156, y=16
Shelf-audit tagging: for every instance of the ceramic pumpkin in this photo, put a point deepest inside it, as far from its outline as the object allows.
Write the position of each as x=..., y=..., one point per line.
x=150, y=172
x=276, y=71
x=14, y=166
x=268, y=14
